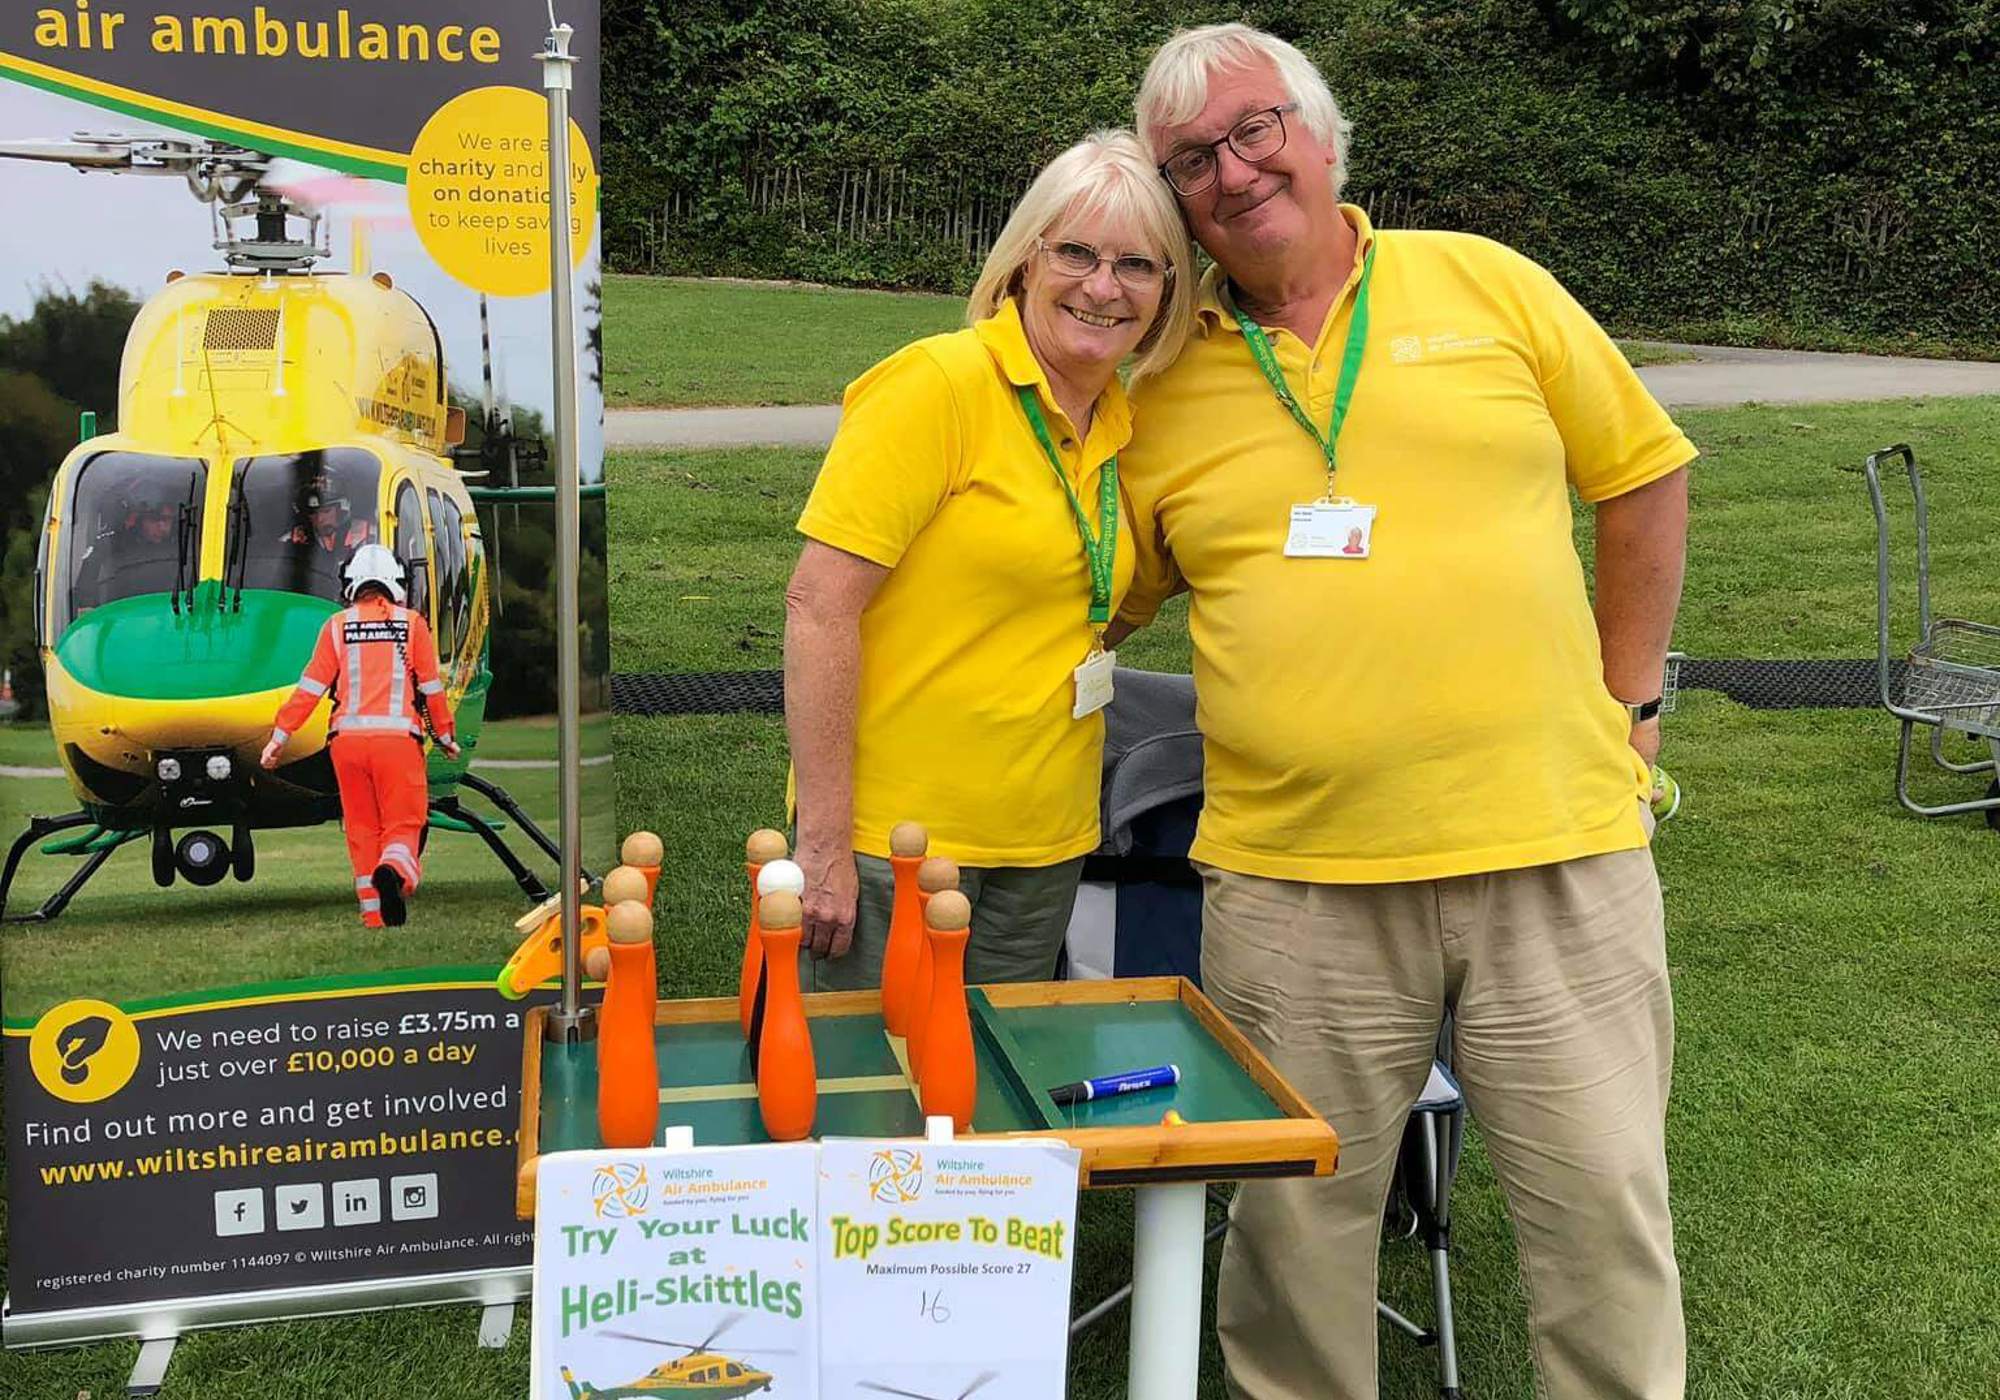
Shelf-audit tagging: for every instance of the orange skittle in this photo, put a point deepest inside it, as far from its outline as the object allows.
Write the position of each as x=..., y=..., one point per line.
x=628, y=1074
x=764, y=845
x=907, y=844
x=936, y=874
x=787, y=1084
x=949, y=1084
x=643, y=851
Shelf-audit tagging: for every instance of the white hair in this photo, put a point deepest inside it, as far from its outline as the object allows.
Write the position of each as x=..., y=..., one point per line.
x=1107, y=172
x=1175, y=87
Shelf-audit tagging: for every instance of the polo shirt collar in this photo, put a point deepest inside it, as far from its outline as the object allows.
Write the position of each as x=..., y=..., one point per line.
x=1214, y=306
x=1006, y=340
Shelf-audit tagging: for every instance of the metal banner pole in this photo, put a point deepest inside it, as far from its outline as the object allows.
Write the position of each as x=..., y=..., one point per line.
x=571, y=1021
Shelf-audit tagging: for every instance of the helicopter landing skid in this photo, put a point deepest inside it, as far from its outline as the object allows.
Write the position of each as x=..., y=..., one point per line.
x=497, y=795
x=530, y=883
x=39, y=827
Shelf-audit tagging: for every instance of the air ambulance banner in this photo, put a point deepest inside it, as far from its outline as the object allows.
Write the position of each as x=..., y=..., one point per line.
x=347, y=83
x=270, y=1138
x=845, y=1269
x=278, y=347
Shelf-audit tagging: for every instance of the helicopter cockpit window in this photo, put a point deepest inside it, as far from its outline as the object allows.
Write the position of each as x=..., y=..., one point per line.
x=134, y=528
x=296, y=518
x=411, y=547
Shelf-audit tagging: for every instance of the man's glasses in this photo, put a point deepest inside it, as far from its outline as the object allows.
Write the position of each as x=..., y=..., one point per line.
x=1134, y=271
x=1255, y=139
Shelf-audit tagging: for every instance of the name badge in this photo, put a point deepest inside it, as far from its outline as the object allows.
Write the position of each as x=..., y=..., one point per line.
x=1330, y=530
x=1093, y=684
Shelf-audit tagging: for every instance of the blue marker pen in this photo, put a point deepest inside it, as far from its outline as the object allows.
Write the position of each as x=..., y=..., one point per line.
x=1111, y=1085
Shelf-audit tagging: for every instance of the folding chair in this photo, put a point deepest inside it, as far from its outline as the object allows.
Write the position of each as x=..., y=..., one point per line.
x=1420, y=1205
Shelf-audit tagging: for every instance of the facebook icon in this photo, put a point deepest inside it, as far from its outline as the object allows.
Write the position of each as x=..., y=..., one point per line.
x=239, y=1212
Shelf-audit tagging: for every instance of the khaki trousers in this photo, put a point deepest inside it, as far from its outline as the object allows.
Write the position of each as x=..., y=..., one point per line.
x=1020, y=914
x=1563, y=1043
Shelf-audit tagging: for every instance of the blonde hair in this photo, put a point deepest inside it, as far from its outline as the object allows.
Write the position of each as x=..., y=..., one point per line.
x=1107, y=172
x=1175, y=87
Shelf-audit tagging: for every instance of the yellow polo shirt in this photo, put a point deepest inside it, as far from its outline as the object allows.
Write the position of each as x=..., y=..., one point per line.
x=968, y=648
x=1439, y=707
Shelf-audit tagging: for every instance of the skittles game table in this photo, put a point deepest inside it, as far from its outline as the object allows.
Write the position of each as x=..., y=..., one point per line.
x=1238, y=1116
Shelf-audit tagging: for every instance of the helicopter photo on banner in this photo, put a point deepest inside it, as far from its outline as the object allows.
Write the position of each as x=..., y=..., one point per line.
x=278, y=720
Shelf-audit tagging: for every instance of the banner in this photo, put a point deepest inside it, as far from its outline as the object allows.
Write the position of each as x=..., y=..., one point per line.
x=280, y=307
x=268, y=1138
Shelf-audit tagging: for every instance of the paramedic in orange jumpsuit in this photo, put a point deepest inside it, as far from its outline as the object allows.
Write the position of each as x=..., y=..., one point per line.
x=377, y=657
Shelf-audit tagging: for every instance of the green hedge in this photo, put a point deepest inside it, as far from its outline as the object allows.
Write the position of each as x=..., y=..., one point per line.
x=1710, y=166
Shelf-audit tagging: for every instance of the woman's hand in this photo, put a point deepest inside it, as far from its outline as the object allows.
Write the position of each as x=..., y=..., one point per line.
x=833, y=888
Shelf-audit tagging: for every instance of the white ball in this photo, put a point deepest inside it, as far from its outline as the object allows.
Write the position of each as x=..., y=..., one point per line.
x=781, y=875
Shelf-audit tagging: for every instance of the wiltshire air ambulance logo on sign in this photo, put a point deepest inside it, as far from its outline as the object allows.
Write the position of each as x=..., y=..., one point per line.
x=620, y=1191
x=896, y=1176
x=84, y=1050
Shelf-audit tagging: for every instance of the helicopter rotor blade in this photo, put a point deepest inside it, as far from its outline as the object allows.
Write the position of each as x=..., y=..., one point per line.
x=721, y=1327
x=652, y=1341
x=83, y=153
x=892, y=1390
x=980, y=1380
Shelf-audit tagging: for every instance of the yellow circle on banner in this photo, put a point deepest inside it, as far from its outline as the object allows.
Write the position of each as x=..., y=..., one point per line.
x=84, y=1050
x=479, y=190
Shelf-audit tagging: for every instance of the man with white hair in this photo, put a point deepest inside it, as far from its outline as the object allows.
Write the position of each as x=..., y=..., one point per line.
x=1426, y=760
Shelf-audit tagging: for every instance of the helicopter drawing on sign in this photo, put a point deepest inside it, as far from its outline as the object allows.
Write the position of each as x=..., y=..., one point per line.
x=698, y=1371
x=272, y=418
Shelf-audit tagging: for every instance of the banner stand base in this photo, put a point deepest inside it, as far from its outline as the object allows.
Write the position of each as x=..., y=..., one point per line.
x=496, y=1324
x=149, y=1372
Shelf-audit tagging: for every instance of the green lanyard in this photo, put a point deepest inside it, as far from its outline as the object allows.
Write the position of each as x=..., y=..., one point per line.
x=1101, y=552
x=1350, y=368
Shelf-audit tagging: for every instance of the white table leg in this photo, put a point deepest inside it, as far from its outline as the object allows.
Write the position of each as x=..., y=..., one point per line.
x=1167, y=1228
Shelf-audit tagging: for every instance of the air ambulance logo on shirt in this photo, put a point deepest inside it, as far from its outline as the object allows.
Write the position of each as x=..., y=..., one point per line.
x=1406, y=349
x=393, y=629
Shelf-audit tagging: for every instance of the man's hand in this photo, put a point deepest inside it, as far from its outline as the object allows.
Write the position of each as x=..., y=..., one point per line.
x=269, y=758
x=449, y=745
x=1646, y=740
x=833, y=889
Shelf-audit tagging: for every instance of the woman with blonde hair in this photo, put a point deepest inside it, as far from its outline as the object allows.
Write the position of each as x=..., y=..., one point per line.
x=966, y=544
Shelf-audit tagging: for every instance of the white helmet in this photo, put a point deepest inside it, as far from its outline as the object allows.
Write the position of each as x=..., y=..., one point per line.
x=373, y=563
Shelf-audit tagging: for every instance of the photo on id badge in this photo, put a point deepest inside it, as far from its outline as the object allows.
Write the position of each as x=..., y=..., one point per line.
x=1330, y=530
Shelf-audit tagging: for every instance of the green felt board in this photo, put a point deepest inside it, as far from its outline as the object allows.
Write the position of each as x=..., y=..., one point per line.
x=1050, y=1045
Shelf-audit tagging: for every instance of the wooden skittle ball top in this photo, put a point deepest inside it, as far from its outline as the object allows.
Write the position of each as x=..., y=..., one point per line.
x=624, y=883
x=642, y=848
x=765, y=845
x=950, y=911
x=630, y=922
x=597, y=964
x=936, y=874
x=780, y=910
x=908, y=839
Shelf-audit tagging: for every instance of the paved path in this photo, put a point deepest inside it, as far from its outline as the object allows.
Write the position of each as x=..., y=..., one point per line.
x=1719, y=377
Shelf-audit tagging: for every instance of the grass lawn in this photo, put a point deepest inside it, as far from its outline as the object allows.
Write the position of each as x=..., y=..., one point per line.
x=683, y=342
x=1835, y=1143
x=297, y=917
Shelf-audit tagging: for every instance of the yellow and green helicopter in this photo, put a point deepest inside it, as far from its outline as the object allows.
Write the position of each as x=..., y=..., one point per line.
x=272, y=417
x=698, y=1372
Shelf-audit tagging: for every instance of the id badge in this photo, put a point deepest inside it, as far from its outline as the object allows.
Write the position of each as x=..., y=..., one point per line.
x=1093, y=684
x=1330, y=530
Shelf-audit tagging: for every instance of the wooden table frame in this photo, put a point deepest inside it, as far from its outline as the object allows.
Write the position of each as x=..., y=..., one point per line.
x=1169, y=1165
